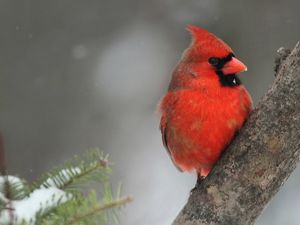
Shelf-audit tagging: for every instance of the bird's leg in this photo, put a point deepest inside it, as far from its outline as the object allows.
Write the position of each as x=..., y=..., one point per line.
x=199, y=181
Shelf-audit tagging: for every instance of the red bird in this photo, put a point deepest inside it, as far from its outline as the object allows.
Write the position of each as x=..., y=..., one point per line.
x=206, y=103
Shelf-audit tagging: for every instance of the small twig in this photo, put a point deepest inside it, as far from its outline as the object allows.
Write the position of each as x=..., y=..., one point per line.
x=282, y=54
x=3, y=168
x=117, y=202
x=3, y=171
x=2, y=157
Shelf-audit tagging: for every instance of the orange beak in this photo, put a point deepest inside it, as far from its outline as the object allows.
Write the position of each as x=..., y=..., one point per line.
x=234, y=66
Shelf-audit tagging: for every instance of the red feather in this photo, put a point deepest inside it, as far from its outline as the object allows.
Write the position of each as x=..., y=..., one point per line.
x=204, y=107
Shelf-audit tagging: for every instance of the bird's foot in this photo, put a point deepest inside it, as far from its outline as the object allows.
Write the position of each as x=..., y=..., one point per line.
x=199, y=181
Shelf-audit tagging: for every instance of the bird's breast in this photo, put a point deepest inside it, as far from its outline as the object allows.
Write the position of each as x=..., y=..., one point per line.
x=200, y=125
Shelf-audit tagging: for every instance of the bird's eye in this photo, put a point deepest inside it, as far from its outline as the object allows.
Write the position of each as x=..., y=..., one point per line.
x=214, y=61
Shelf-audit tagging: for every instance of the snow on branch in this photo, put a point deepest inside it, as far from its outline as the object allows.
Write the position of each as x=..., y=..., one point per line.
x=39, y=201
x=61, y=196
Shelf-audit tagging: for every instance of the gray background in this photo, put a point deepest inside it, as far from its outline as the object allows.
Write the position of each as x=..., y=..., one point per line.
x=79, y=74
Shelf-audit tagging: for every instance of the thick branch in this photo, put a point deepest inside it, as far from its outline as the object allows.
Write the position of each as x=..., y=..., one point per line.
x=257, y=162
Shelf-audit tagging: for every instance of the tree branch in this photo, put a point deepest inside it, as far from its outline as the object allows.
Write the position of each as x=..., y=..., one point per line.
x=258, y=161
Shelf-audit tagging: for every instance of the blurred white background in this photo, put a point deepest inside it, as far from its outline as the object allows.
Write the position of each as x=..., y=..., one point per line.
x=79, y=74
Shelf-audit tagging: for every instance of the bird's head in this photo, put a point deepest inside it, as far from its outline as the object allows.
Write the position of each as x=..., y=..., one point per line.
x=211, y=52
x=209, y=58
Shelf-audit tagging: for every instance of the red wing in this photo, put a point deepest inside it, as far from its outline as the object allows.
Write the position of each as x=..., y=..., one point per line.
x=163, y=129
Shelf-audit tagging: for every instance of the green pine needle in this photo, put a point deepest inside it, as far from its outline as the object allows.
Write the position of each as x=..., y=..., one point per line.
x=92, y=167
x=74, y=177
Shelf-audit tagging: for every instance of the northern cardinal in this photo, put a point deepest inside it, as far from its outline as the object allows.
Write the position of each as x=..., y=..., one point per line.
x=206, y=103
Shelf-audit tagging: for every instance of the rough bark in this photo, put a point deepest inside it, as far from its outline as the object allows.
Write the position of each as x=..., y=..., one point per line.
x=258, y=161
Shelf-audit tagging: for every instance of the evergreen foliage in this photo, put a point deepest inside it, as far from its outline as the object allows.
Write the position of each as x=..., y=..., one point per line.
x=63, y=196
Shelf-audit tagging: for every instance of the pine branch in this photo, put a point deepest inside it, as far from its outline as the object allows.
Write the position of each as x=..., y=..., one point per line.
x=91, y=167
x=116, y=203
x=57, y=199
x=258, y=161
x=98, y=165
x=17, y=188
